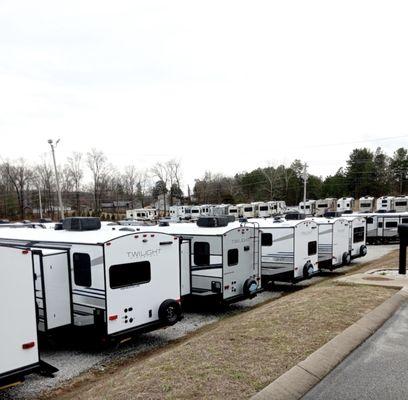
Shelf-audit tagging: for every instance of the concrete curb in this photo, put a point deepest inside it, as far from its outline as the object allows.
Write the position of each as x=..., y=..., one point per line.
x=296, y=382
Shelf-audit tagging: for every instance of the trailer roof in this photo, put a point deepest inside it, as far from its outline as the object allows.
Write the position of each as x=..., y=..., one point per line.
x=371, y=214
x=324, y=220
x=63, y=236
x=270, y=222
x=188, y=228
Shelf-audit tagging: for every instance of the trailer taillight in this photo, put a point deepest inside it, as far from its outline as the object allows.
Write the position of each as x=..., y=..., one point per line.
x=28, y=345
x=136, y=236
x=113, y=317
x=25, y=251
x=151, y=235
x=108, y=244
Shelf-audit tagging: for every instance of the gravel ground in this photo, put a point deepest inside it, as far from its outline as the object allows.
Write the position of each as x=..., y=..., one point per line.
x=73, y=360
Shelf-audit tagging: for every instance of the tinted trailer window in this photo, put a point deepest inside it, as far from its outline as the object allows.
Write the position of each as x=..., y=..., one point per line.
x=123, y=275
x=358, y=234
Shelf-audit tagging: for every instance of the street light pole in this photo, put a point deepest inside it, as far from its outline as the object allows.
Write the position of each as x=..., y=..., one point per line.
x=304, y=186
x=51, y=143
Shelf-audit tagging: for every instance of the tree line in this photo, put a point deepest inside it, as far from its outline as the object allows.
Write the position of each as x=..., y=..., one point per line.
x=366, y=172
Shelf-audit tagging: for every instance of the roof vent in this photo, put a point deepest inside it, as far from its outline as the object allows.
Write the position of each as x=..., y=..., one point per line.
x=81, y=224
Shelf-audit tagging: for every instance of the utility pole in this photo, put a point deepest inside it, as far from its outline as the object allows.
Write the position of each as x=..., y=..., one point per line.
x=51, y=143
x=304, y=176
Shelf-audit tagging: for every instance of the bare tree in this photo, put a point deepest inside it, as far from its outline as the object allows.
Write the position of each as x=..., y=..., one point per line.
x=97, y=163
x=46, y=177
x=271, y=175
x=161, y=171
x=130, y=180
x=19, y=175
x=76, y=174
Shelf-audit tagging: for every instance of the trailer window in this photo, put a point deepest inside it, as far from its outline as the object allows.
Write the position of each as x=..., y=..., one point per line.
x=248, y=209
x=312, y=248
x=122, y=275
x=232, y=257
x=391, y=224
x=404, y=221
x=82, y=269
x=358, y=234
x=380, y=224
x=201, y=253
x=263, y=208
x=266, y=239
x=400, y=203
x=370, y=220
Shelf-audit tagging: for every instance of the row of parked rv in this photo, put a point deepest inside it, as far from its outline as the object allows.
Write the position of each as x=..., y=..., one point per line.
x=126, y=279
x=347, y=205
x=248, y=210
x=271, y=208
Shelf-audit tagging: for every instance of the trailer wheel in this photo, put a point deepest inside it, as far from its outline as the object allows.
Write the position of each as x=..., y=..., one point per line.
x=170, y=311
x=346, y=258
x=308, y=270
x=363, y=250
x=250, y=287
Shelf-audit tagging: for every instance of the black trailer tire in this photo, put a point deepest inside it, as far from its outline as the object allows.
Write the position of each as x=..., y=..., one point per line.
x=363, y=250
x=308, y=270
x=169, y=312
x=346, y=258
x=250, y=287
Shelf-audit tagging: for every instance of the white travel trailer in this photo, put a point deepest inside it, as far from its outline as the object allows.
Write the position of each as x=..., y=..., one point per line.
x=195, y=212
x=220, y=210
x=277, y=207
x=357, y=235
x=325, y=205
x=138, y=213
x=366, y=204
x=401, y=204
x=385, y=204
x=262, y=210
x=142, y=213
x=179, y=213
x=333, y=248
x=234, y=211
x=345, y=205
x=221, y=262
x=207, y=209
x=383, y=227
x=19, y=338
x=309, y=208
x=289, y=249
x=121, y=282
x=247, y=210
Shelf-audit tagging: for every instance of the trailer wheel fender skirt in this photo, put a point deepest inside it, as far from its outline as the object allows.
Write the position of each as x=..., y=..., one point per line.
x=308, y=270
x=363, y=250
x=170, y=311
x=346, y=258
x=250, y=287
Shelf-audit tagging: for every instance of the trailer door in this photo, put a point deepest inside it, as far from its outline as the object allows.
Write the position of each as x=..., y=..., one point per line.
x=185, y=266
x=19, y=343
x=57, y=289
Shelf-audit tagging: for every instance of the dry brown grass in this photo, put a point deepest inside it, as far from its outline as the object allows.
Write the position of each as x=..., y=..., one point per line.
x=237, y=356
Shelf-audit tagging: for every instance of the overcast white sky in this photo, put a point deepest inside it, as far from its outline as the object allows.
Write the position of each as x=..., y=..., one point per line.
x=221, y=85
